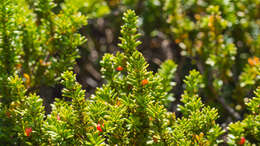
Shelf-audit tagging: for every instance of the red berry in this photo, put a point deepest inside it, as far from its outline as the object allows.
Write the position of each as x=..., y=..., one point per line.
x=58, y=117
x=28, y=131
x=119, y=68
x=99, y=128
x=144, y=82
x=242, y=141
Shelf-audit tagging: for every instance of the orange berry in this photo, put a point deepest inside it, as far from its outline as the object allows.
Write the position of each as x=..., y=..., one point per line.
x=41, y=62
x=19, y=66
x=211, y=21
x=118, y=103
x=27, y=77
x=253, y=61
x=144, y=82
x=119, y=68
x=177, y=41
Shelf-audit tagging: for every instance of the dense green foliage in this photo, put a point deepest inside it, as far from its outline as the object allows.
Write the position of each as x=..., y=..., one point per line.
x=36, y=43
x=39, y=41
